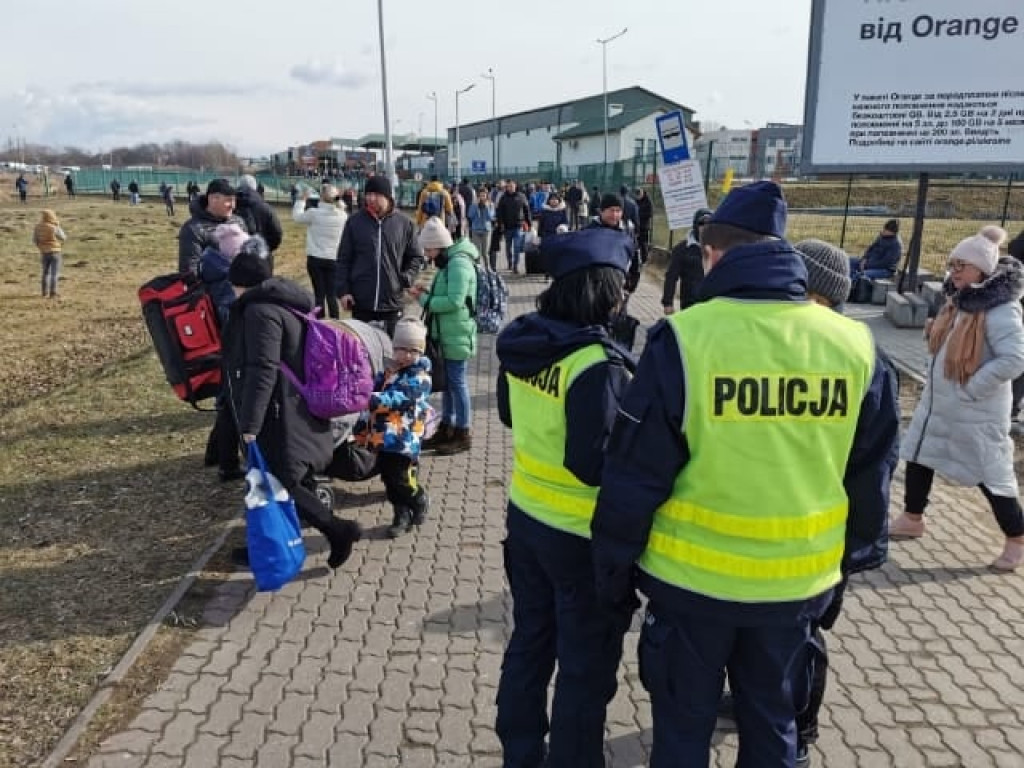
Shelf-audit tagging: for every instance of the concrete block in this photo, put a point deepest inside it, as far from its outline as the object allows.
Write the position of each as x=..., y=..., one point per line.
x=906, y=310
x=933, y=295
x=880, y=288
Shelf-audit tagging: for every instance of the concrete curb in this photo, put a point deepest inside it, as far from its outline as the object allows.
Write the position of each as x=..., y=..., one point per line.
x=106, y=688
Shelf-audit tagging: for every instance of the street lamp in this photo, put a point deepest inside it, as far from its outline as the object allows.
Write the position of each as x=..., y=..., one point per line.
x=389, y=160
x=458, y=146
x=604, y=81
x=489, y=75
x=433, y=97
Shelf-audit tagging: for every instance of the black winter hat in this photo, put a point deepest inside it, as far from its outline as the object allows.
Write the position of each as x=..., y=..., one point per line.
x=379, y=185
x=608, y=200
x=252, y=264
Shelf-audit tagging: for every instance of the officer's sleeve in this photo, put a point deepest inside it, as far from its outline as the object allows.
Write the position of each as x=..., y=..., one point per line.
x=591, y=406
x=869, y=469
x=504, y=409
x=646, y=452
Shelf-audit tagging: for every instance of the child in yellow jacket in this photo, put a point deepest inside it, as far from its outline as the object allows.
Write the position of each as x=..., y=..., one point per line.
x=49, y=238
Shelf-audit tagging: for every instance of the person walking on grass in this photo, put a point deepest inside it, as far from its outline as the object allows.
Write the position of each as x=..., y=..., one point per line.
x=961, y=426
x=21, y=186
x=324, y=226
x=49, y=239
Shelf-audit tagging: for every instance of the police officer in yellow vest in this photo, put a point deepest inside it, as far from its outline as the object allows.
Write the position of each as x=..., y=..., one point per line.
x=742, y=473
x=559, y=388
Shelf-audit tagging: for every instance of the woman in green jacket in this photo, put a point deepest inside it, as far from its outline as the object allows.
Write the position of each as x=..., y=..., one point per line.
x=450, y=306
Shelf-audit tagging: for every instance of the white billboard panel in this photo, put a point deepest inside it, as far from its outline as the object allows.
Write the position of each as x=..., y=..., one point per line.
x=915, y=86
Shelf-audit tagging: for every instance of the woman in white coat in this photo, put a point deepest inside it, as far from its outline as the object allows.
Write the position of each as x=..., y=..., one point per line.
x=326, y=222
x=961, y=426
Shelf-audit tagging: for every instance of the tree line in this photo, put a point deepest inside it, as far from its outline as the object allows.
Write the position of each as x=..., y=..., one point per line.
x=209, y=155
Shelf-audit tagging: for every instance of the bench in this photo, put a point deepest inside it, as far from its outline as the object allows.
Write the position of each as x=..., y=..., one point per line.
x=906, y=310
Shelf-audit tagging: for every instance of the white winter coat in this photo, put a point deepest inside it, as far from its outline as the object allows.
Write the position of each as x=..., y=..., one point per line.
x=326, y=222
x=963, y=432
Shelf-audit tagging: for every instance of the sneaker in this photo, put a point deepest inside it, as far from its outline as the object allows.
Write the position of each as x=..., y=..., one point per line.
x=419, y=512
x=1012, y=557
x=461, y=441
x=400, y=523
x=907, y=526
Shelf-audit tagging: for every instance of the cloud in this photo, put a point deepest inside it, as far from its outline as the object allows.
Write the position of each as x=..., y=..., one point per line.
x=155, y=89
x=96, y=120
x=316, y=72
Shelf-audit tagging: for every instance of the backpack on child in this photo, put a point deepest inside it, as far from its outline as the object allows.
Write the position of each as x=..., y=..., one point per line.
x=337, y=376
x=490, y=306
x=182, y=321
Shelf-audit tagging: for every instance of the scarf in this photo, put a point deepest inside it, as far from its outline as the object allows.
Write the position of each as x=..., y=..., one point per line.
x=965, y=341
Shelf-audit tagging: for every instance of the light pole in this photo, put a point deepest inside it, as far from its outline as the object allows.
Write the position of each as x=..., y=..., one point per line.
x=433, y=97
x=489, y=75
x=389, y=160
x=458, y=146
x=604, y=83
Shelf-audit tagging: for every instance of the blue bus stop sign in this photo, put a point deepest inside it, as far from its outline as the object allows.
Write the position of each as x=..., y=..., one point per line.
x=672, y=137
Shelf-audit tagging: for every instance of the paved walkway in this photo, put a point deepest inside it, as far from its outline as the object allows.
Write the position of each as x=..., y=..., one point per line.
x=394, y=659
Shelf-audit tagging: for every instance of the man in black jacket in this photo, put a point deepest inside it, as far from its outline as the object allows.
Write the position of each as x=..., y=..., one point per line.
x=574, y=199
x=513, y=214
x=378, y=258
x=645, y=222
x=685, y=267
x=259, y=217
x=208, y=212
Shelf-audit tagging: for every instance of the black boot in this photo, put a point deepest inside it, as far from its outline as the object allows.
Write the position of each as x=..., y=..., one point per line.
x=400, y=523
x=420, y=507
x=461, y=441
x=341, y=535
x=444, y=434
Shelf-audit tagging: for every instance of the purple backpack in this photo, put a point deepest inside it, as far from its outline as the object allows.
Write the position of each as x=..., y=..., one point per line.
x=338, y=376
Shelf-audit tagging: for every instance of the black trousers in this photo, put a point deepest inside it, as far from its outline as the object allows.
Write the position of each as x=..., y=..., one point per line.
x=1018, y=395
x=401, y=478
x=322, y=274
x=1006, y=509
x=388, y=319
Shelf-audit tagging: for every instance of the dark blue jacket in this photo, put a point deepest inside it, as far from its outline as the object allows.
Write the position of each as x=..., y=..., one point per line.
x=531, y=343
x=884, y=253
x=648, y=450
x=213, y=271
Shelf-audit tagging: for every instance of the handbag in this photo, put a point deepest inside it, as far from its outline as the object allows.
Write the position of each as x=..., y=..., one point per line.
x=272, y=531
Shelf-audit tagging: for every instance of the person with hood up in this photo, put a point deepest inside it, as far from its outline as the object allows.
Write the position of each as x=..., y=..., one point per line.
x=378, y=258
x=49, y=238
x=553, y=215
x=559, y=386
x=324, y=227
x=263, y=333
x=753, y=382
x=228, y=240
x=450, y=320
x=260, y=219
x=208, y=212
x=685, y=267
x=961, y=426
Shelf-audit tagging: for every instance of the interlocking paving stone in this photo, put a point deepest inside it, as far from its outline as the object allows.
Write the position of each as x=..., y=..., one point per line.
x=394, y=659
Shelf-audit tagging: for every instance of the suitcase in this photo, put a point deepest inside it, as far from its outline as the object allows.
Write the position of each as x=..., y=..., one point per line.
x=182, y=321
x=534, y=263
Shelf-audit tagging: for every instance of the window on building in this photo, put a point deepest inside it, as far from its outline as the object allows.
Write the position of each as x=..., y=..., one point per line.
x=638, y=147
x=652, y=146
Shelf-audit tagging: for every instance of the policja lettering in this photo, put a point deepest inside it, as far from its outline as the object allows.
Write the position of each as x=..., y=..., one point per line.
x=773, y=396
x=546, y=380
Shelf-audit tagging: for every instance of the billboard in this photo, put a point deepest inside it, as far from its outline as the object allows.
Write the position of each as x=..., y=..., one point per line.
x=914, y=86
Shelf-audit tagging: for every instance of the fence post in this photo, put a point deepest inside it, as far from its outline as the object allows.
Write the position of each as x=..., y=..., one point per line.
x=846, y=212
x=1006, y=201
x=914, y=255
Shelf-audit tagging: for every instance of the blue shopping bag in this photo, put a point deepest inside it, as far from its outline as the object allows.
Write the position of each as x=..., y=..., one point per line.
x=273, y=534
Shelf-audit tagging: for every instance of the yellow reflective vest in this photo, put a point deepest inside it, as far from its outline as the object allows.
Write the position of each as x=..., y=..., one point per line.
x=541, y=485
x=759, y=512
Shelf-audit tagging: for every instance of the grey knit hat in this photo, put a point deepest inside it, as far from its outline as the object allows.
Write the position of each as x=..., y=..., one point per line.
x=828, y=270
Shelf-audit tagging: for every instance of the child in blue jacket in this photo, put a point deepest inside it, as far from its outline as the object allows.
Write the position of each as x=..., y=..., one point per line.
x=398, y=413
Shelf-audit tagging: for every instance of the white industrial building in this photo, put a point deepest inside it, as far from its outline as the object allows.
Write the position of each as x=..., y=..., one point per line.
x=569, y=134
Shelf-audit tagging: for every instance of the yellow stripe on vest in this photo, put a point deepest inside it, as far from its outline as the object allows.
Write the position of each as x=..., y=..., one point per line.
x=749, y=527
x=737, y=566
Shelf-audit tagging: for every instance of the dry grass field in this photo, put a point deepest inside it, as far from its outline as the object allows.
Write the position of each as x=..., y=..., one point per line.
x=104, y=502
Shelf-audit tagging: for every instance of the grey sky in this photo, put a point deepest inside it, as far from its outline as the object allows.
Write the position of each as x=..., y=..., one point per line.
x=261, y=75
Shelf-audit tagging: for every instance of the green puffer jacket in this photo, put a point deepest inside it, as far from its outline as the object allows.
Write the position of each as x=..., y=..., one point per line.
x=453, y=290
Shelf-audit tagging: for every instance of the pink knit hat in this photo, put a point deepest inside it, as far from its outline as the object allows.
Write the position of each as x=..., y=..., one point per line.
x=981, y=250
x=229, y=238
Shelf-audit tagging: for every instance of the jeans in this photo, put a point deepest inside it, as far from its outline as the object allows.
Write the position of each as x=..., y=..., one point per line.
x=513, y=248
x=871, y=274
x=482, y=241
x=1007, y=509
x=51, y=272
x=456, y=408
x=134, y=198
x=556, y=618
x=322, y=274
